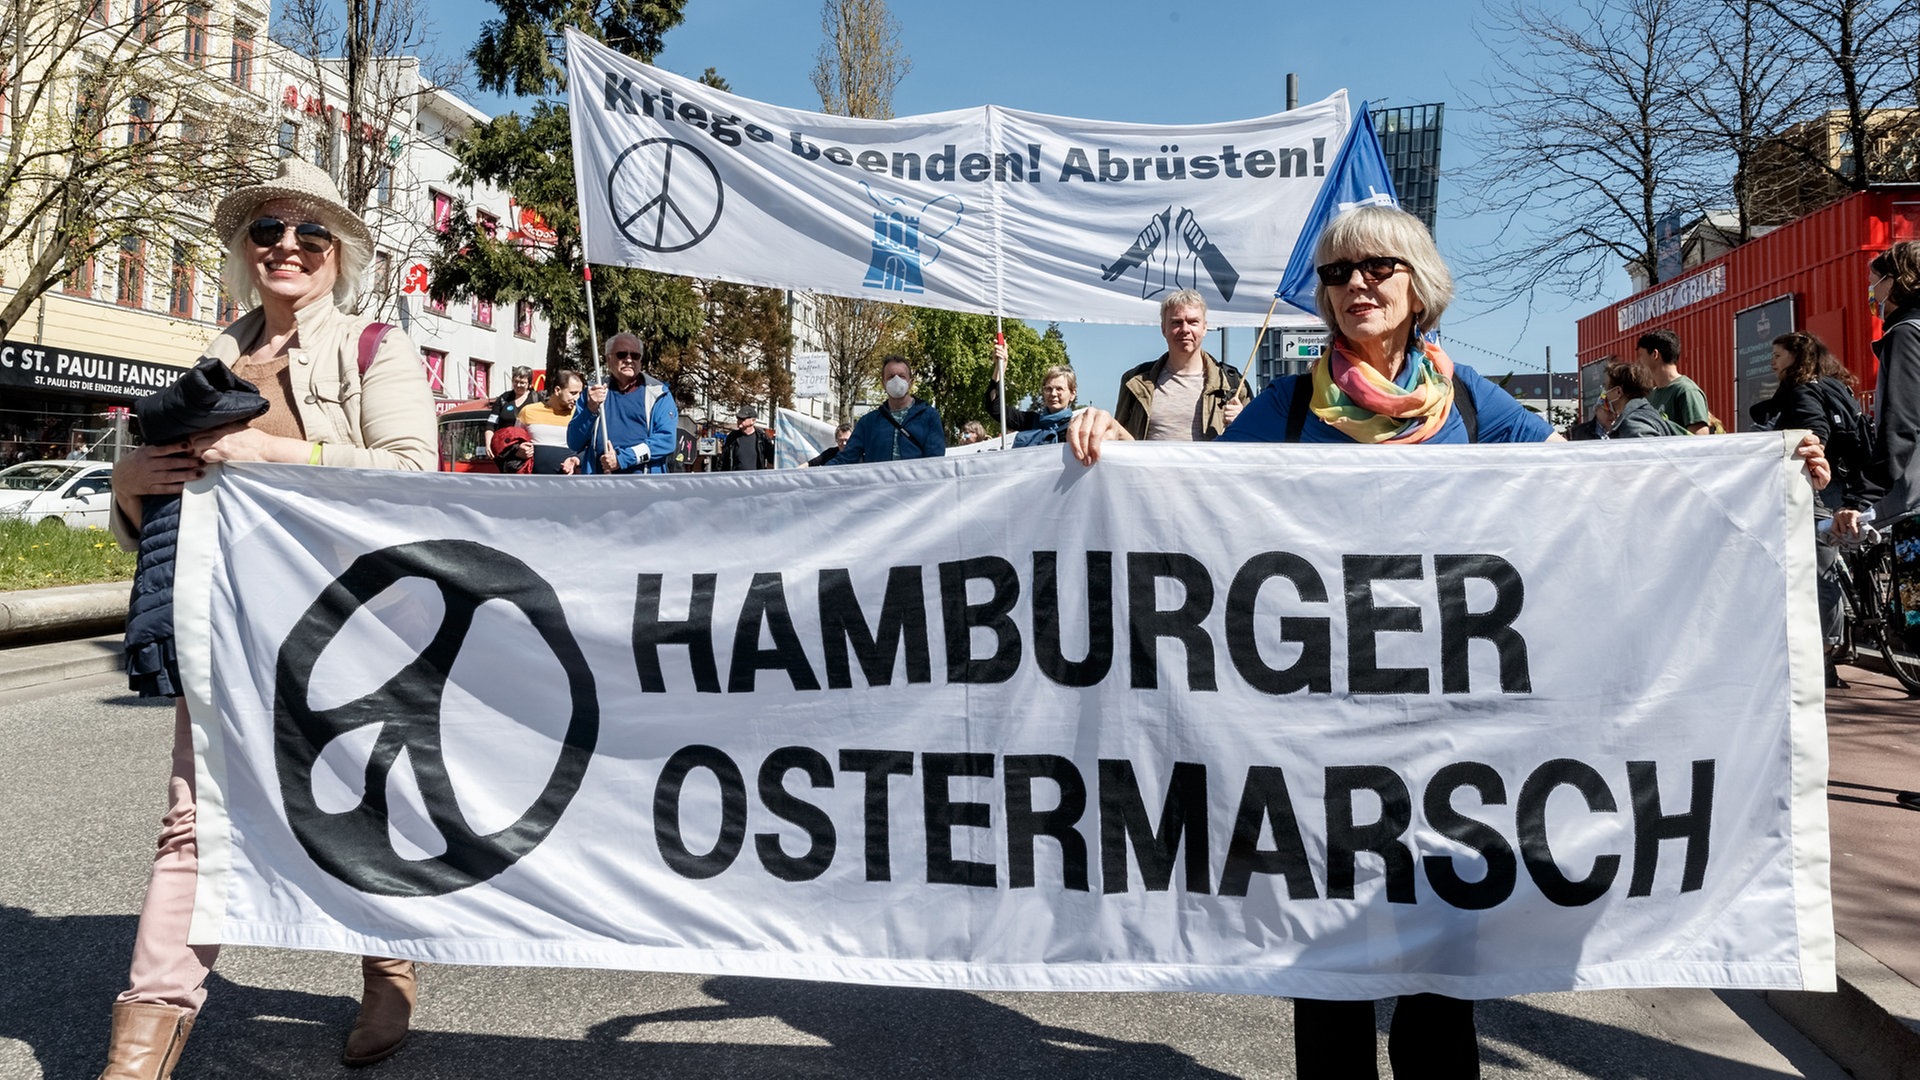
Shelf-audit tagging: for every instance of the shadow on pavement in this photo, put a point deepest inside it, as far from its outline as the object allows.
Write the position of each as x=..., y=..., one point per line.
x=63, y=973
x=894, y=1032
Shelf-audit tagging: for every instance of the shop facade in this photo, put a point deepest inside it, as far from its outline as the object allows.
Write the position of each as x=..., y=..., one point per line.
x=61, y=402
x=1808, y=276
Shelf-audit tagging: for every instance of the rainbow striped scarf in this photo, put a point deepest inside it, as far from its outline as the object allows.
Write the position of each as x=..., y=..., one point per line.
x=1367, y=407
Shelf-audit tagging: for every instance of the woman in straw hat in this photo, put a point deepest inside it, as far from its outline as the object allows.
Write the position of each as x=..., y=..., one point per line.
x=340, y=394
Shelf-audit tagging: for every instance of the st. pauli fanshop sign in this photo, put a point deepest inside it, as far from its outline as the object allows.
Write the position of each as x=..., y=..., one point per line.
x=45, y=367
x=1312, y=721
x=985, y=209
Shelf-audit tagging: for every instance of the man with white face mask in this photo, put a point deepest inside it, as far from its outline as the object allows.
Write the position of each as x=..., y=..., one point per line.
x=900, y=429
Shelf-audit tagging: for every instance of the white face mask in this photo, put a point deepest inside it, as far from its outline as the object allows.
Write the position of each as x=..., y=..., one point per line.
x=897, y=387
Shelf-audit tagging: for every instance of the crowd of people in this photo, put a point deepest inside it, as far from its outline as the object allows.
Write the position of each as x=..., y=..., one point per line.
x=300, y=380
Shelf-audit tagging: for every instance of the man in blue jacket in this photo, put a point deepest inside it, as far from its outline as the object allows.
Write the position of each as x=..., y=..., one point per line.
x=641, y=420
x=902, y=428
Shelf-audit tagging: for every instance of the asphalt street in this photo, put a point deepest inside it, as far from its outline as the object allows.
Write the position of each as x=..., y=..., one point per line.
x=82, y=773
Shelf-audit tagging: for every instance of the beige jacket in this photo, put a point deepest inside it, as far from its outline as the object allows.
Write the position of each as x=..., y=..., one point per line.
x=382, y=421
x=1224, y=383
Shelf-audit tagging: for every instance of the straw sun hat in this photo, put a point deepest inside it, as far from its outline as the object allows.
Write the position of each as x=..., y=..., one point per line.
x=307, y=186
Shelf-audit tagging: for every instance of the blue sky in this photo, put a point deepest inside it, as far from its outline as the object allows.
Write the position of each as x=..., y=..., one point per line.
x=1193, y=62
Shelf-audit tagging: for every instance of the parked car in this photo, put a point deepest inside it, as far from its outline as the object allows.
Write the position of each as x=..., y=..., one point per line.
x=78, y=493
x=463, y=436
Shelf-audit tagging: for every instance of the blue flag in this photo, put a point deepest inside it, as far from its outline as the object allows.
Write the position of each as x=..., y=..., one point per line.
x=1359, y=177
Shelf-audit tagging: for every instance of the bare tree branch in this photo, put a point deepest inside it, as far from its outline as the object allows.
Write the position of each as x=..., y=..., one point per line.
x=117, y=131
x=1592, y=140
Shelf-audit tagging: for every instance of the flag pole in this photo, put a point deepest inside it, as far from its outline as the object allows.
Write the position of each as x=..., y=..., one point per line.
x=1000, y=338
x=593, y=343
x=1262, y=335
x=586, y=262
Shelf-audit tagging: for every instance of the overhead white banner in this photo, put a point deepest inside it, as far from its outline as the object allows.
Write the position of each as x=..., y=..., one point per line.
x=1339, y=722
x=985, y=209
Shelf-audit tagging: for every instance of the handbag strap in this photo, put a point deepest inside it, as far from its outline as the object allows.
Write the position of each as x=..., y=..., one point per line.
x=370, y=340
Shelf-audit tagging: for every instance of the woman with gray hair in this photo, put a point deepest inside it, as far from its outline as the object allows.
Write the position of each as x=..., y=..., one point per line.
x=342, y=390
x=506, y=407
x=1382, y=288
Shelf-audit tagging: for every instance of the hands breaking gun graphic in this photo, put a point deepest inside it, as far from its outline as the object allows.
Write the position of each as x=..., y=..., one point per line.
x=1186, y=249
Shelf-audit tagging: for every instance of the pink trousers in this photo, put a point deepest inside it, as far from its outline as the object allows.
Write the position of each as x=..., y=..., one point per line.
x=166, y=970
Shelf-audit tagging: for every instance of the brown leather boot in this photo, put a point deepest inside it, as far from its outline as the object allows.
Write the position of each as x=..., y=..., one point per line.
x=386, y=1007
x=147, y=1040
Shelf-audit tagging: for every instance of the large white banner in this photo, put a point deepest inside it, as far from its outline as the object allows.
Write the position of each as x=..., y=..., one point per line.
x=984, y=209
x=1323, y=721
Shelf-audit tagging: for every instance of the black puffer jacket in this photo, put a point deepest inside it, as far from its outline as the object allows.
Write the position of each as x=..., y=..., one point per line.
x=153, y=668
x=206, y=397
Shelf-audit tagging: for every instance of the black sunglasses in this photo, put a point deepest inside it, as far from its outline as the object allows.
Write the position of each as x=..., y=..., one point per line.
x=626, y=356
x=1375, y=270
x=313, y=237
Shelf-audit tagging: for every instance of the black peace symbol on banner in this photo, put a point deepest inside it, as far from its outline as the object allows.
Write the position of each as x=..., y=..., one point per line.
x=665, y=194
x=354, y=845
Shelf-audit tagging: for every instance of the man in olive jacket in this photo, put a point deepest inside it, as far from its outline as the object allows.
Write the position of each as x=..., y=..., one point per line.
x=1186, y=394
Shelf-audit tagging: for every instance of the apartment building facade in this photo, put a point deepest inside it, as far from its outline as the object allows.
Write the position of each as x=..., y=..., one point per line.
x=123, y=323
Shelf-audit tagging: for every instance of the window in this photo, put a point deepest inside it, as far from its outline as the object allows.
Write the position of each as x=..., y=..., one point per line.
x=489, y=224
x=98, y=11
x=131, y=290
x=383, y=186
x=435, y=361
x=89, y=115
x=146, y=26
x=241, y=67
x=3, y=104
x=442, y=211
x=482, y=312
x=180, y=293
x=382, y=273
x=140, y=126
x=438, y=307
x=193, y=47
x=225, y=310
x=79, y=271
x=479, y=379
x=323, y=149
x=523, y=318
x=289, y=139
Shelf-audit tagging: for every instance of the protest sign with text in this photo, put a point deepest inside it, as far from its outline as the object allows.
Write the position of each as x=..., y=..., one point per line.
x=1312, y=721
x=985, y=209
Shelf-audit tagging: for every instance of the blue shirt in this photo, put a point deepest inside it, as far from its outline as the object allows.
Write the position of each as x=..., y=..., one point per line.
x=643, y=425
x=1502, y=419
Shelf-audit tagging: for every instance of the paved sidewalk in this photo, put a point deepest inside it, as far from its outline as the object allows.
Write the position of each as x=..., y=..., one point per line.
x=1873, y=743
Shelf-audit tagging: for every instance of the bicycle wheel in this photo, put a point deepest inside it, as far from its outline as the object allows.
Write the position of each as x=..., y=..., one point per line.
x=1894, y=638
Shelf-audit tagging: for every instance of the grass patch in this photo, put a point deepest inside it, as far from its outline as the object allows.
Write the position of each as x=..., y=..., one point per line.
x=34, y=555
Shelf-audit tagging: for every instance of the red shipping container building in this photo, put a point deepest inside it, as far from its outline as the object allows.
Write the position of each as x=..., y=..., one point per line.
x=1819, y=261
